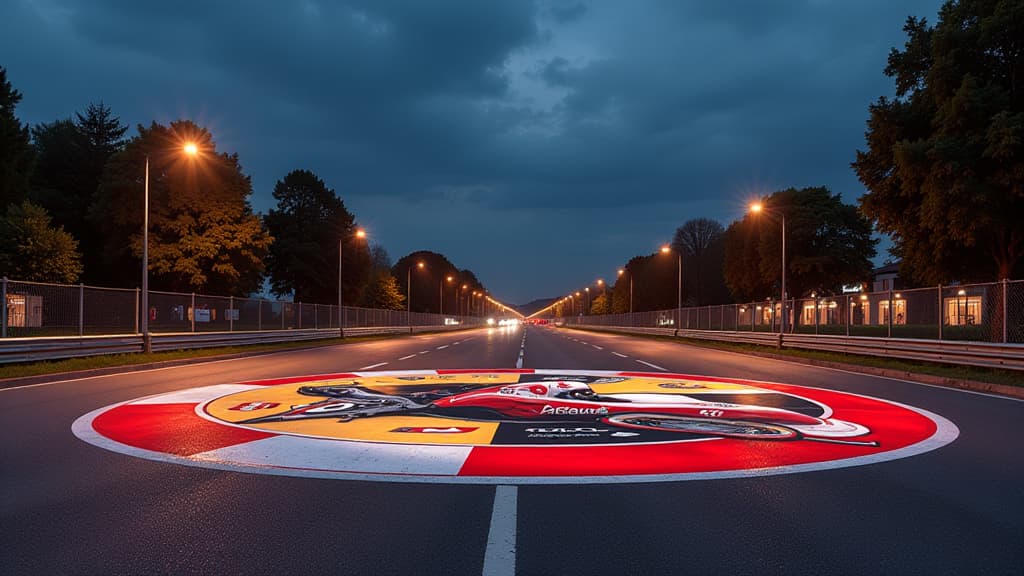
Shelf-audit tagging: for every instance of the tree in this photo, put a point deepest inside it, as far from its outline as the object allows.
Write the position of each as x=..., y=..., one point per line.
x=70, y=158
x=600, y=305
x=382, y=291
x=431, y=279
x=655, y=284
x=16, y=154
x=828, y=244
x=702, y=244
x=307, y=225
x=32, y=250
x=203, y=235
x=944, y=164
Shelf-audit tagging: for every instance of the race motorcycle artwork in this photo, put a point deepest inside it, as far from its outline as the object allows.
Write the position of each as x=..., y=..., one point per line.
x=555, y=401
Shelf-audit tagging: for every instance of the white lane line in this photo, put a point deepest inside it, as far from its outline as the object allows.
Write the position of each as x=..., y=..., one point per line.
x=442, y=347
x=620, y=355
x=596, y=346
x=407, y=357
x=655, y=366
x=372, y=366
x=500, y=555
x=424, y=352
x=456, y=343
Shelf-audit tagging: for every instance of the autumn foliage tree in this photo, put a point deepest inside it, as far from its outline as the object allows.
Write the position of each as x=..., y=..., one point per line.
x=944, y=162
x=203, y=234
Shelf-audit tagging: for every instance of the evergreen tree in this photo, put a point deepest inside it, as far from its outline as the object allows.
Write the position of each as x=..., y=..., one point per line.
x=382, y=291
x=16, y=154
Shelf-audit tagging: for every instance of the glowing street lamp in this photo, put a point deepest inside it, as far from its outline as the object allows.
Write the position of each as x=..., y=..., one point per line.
x=408, y=291
x=359, y=235
x=440, y=305
x=757, y=208
x=190, y=149
x=666, y=249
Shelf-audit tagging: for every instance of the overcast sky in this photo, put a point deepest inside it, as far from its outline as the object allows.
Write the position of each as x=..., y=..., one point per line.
x=541, y=144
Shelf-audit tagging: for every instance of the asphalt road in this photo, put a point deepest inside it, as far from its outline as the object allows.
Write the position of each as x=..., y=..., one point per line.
x=70, y=507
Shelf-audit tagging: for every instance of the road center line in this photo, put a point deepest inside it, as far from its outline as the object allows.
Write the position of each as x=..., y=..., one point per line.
x=442, y=347
x=407, y=357
x=620, y=355
x=653, y=366
x=500, y=555
x=596, y=346
x=425, y=351
x=372, y=366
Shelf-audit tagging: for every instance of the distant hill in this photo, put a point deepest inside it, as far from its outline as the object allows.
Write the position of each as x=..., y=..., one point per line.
x=531, y=307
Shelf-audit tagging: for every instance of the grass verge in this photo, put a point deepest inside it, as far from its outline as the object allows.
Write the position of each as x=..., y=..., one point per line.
x=945, y=371
x=120, y=360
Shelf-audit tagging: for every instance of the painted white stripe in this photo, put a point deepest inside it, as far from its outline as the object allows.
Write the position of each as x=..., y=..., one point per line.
x=655, y=366
x=196, y=395
x=342, y=456
x=372, y=366
x=407, y=357
x=425, y=352
x=596, y=346
x=500, y=555
x=442, y=347
x=456, y=343
x=620, y=355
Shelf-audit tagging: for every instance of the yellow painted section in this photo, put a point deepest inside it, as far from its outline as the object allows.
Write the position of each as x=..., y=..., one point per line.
x=673, y=386
x=379, y=429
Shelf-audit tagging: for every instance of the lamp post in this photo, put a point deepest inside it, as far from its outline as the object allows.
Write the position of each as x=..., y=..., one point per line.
x=440, y=304
x=757, y=208
x=360, y=233
x=190, y=149
x=604, y=293
x=408, y=292
x=666, y=249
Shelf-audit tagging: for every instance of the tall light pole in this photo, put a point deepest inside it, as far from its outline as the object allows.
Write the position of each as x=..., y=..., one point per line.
x=757, y=208
x=666, y=249
x=441, y=299
x=621, y=272
x=408, y=292
x=604, y=294
x=190, y=149
x=360, y=234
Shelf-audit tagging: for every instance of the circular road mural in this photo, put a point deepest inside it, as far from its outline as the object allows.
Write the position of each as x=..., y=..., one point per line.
x=515, y=426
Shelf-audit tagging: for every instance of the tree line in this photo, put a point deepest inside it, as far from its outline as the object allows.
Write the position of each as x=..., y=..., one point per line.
x=943, y=172
x=72, y=208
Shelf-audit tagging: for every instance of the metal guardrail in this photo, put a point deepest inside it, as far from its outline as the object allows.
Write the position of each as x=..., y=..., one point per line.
x=59, y=347
x=981, y=354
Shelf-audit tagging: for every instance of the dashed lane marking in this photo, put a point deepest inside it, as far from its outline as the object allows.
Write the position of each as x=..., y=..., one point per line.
x=596, y=346
x=372, y=366
x=500, y=554
x=442, y=347
x=655, y=366
x=620, y=355
x=425, y=352
x=407, y=357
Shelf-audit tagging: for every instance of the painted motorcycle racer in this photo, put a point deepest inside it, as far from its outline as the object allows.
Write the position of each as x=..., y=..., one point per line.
x=566, y=400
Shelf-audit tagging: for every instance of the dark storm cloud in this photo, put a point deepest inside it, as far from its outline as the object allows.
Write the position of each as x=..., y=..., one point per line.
x=434, y=118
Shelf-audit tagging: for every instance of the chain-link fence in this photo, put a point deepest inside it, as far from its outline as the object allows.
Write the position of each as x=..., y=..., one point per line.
x=36, y=309
x=992, y=312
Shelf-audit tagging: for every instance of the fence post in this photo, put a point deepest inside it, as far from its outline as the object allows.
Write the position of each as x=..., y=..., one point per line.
x=1006, y=315
x=231, y=313
x=849, y=313
x=193, y=314
x=940, y=312
x=282, y=315
x=81, y=308
x=3, y=307
x=817, y=312
x=300, y=316
x=259, y=315
x=890, y=312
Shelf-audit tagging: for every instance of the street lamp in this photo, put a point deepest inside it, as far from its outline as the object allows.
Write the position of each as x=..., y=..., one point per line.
x=190, y=149
x=621, y=272
x=408, y=292
x=666, y=249
x=757, y=208
x=359, y=234
x=440, y=304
